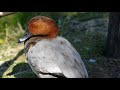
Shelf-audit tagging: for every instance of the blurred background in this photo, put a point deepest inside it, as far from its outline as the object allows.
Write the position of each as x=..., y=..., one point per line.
x=85, y=30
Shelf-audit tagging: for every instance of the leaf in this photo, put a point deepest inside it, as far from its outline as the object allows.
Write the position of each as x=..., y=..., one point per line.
x=1, y=41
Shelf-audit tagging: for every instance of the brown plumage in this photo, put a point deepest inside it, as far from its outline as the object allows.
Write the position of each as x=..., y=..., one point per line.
x=49, y=55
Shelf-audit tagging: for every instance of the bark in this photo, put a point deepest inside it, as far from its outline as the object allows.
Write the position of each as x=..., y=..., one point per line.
x=112, y=48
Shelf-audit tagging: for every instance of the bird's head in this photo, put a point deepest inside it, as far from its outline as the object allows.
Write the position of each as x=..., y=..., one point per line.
x=40, y=26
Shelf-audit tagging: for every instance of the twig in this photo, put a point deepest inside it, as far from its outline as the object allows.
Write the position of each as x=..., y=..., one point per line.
x=6, y=39
x=2, y=14
x=63, y=24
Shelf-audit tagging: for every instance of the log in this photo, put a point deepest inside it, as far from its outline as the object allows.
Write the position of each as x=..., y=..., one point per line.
x=5, y=13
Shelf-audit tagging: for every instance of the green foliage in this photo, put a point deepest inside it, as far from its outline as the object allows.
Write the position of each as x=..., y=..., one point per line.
x=88, y=44
x=95, y=42
x=91, y=15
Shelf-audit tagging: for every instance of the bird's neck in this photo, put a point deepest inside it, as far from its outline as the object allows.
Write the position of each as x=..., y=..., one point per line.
x=29, y=43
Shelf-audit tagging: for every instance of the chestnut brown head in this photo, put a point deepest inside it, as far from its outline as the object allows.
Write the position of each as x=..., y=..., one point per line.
x=40, y=25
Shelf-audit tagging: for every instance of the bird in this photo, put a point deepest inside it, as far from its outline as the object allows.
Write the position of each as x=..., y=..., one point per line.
x=50, y=55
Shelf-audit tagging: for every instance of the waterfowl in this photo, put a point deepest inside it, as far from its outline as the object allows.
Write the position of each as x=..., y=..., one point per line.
x=50, y=55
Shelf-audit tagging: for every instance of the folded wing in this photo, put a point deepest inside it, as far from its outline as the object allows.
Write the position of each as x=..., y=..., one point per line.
x=56, y=57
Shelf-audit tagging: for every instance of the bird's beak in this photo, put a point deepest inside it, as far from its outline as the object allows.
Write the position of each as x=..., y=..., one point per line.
x=25, y=37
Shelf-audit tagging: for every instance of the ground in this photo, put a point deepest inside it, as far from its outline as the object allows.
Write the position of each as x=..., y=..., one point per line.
x=90, y=44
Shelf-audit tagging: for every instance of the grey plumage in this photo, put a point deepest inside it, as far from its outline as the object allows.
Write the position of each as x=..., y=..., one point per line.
x=51, y=58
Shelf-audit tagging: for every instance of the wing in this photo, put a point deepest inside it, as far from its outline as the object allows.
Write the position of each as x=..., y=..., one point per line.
x=71, y=65
x=56, y=57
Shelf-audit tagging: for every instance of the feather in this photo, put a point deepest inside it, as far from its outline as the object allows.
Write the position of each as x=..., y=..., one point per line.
x=56, y=57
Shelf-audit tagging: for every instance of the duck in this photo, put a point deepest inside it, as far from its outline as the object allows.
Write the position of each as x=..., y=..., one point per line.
x=50, y=55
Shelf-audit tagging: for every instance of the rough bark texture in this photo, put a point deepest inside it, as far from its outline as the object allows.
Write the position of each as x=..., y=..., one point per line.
x=112, y=48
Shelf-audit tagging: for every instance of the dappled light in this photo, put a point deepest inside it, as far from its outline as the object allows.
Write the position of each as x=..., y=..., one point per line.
x=86, y=31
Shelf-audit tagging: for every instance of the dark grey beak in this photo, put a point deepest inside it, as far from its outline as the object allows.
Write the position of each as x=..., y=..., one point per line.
x=25, y=37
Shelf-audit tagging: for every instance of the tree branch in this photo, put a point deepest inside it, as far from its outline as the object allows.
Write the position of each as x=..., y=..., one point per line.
x=2, y=14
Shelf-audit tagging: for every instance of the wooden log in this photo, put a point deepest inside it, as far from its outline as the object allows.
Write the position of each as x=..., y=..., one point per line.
x=5, y=13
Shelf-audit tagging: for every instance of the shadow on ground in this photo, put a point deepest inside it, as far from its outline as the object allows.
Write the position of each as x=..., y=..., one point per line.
x=7, y=64
x=21, y=70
